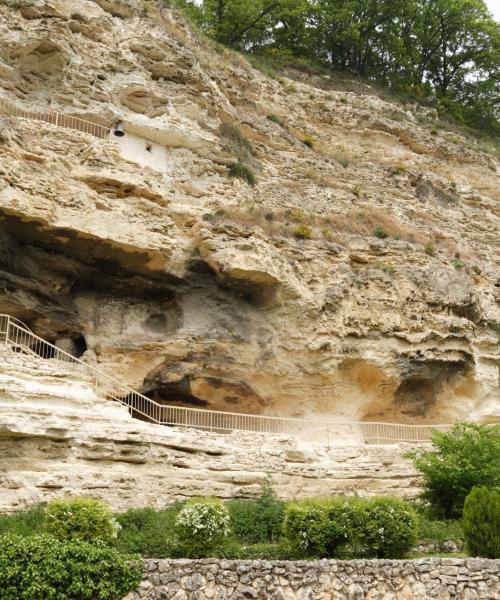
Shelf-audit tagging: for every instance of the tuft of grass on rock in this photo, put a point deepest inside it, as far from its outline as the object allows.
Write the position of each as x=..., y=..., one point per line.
x=342, y=159
x=380, y=232
x=309, y=141
x=430, y=249
x=243, y=171
x=302, y=232
x=275, y=119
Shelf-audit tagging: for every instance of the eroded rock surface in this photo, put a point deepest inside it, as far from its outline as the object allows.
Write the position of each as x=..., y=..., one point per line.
x=190, y=284
x=58, y=438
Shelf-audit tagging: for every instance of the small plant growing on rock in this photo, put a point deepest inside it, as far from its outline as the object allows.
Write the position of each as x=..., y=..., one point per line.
x=309, y=141
x=430, y=249
x=343, y=100
x=201, y=525
x=275, y=119
x=481, y=522
x=302, y=232
x=357, y=191
x=342, y=159
x=81, y=519
x=243, y=171
x=380, y=232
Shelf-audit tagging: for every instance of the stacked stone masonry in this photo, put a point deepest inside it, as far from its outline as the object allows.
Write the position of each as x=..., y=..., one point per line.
x=464, y=579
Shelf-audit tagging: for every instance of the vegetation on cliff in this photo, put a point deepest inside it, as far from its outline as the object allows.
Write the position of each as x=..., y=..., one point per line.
x=444, y=51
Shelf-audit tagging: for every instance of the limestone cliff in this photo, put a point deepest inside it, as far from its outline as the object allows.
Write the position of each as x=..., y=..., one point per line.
x=357, y=278
x=57, y=438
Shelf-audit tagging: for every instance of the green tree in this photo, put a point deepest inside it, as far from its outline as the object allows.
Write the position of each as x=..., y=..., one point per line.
x=481, y=522
x=466, y=456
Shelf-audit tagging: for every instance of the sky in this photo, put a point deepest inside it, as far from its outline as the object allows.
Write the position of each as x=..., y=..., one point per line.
x=494, y=6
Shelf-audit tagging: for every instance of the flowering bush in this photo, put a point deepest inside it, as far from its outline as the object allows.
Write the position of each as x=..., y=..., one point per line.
x=201, y=525
x=390, y=528
x=82, y=519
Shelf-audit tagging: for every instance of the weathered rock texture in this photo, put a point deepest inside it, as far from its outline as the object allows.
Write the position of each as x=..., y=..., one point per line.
x=464, y=579
x=190, y=284
x=57, y=438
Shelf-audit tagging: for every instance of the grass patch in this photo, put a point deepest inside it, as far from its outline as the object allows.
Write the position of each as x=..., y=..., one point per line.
x=275, y=119
x=302, y=232
x=243, y=171
x=236, y=141
x=26, y=522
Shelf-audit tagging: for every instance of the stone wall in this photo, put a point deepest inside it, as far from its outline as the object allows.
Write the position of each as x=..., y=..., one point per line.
x=322, y=580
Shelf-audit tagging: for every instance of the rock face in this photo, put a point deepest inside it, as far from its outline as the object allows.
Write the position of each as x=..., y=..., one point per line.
x=463, y=579
x=57, y=438
x=194, y=286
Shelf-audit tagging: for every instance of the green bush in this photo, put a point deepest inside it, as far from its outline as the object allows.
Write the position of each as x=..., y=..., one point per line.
x=148, y=532
x=466, y=456
x=307, y=527
x=27, y=522
x=390, y=528
x=42, y=567
x=201, y=525
x=83, y=519
x=322, y=528
x=242, y=171
x=302, y=232
x=481, y=522
x=380, y=232
x=258, y=521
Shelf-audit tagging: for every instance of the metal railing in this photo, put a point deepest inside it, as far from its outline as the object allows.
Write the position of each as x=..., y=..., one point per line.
x=55, y=118
x=19, y=339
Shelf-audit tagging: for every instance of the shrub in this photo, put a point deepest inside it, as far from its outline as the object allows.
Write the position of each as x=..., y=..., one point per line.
x=27, y=522
x=481, y=522
x=148, y=532
x=236, y=141
x=201, y=525
x=380, y=232
x=258, y=521
x=243, y=171
x=307, y=527
x=322, y=528
x=308, y=141
x=342, y=160
x=302, y=232
x=430, y=249
x=466, y=456
x=390, y=528
x=83, y=519
x=43, y=567
x=275, y=119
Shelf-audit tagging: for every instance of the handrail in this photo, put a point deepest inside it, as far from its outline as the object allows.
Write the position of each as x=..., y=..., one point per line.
x=21, y=339
x=55, y=118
